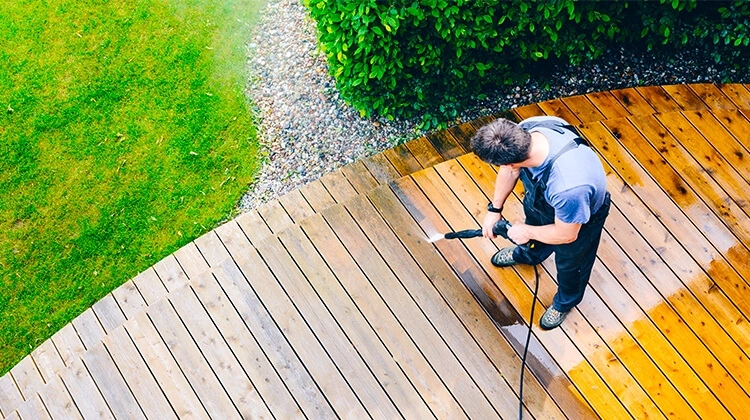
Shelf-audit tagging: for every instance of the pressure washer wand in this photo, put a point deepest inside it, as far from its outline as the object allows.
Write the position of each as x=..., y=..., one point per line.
x=499, y=229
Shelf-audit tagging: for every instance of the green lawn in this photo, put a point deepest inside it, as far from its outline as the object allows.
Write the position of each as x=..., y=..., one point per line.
x=124, y=134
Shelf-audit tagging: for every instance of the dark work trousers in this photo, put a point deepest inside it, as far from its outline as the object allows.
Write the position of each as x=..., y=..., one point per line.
x=575, y=260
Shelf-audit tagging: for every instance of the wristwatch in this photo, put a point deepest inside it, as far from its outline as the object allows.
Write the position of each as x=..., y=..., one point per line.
x=493, y=209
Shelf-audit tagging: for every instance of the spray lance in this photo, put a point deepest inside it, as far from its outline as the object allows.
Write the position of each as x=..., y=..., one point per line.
x=501, y=229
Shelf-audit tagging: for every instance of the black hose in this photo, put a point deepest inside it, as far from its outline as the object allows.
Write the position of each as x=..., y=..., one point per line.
x=526, y=347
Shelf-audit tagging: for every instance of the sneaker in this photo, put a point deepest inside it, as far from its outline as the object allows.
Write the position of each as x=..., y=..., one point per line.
x=551, y=318
x=504, y=257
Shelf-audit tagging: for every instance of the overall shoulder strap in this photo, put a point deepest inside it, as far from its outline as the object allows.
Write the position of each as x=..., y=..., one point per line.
x=558, y=127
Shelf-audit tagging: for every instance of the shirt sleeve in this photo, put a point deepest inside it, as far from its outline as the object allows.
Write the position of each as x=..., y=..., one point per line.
x=573, y=205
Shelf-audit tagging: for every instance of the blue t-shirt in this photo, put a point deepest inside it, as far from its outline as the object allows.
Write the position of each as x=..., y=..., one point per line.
x=577, y=185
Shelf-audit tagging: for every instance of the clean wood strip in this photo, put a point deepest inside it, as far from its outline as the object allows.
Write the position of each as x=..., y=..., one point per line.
x=191, y=260
x=111, y=384
x=737, y=94
x=150, y=286
x=264, y=292
x=607, y=105
x=737, y=124
x=685, y=97
x=326, y=330
x=402, y=159
x=211, y=248
x=27, y=377
x=633, y=101
x=658, y=98
x=244, y=346
x=592, y=341
x=434, y=266
x=162, y=365
x=192, y=363
x=500, y=394
x=385, y=354
x=108, y=313
x=254, y=226
x=33, y=409
x=381, y=168
x=129, y=299
x=584, y=337
x=478, y=330
x=84, y=391
x=557, y=108
x=136, y=374
x=88, y=328
x=170, y=273
x=712, y=96
x=68, y=344
x=424, y=152
x=48, y=360
x=733, y=153
x=528, y=111
x=584, y=110
x=317, y=195
x=683, y=175
x=296, y=206
x=270, y=338
x=10, y=395
x=13, y=416
x=338, y=186
x=275, y=216
x=58, y=401
x=697, y=151
x=224, y=364
x=360, y=178
x=445, y=144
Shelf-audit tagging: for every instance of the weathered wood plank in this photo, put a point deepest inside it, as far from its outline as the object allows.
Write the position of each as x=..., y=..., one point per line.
x=108, y=313
x=607, y=105
x=68, y=344
x=33, y=409
x=712, y=96
x=445, y=144
x=181, y=396
x=347, y=357
x=316, y=194
x=463, y=133
x=110, y=383
x=381, y=168
x=171, y=274
x=737, y=94
x=338, y=186
x=149, y=284
x=735, y=121
x=360, y=178
x=219, y=356
x=402, y=159
x=191, y=260
x=253, y=225
x=584, y=110
x=137, y=375
x=263, y=286
x=424, y=152
x=296, y=376
x=528, y=111
x=129, y=299
x=48, y=360
x=434, y=266
x=296, y=206
x=88, y=328
x=558, y=108
x=10, y=395
x=84, y=391
x=211, y=393
x=27, y=377
x=714, y=134
x=275, y=216
x=58, y=402
x=211, y=248
x=244, y=346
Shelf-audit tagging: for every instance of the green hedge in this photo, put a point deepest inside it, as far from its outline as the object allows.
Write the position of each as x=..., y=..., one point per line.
x=428, y=57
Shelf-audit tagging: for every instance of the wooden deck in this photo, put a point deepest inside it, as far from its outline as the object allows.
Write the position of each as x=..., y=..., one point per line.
x=330, y=302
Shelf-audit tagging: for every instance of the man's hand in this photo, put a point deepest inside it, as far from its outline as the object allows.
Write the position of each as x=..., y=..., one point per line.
x=489, y=222
x=519, y=233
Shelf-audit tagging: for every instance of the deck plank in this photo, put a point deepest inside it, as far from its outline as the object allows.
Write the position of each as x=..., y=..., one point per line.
x=362, y=315
x=108, y=313
x=445, y=144
x=129, y=299
x=633, y=101
x=88, y=328
x=296, y=332
x=338, y=186
x=607, y=105
x=275, y=216
x=48, y=360
x=68, y=344
x=27, y=377
x=403, y=160
x=460, y=300
x=84, y=391
x=253, y=225
x=58, y=402
x=712, y=96
x=558, y=108
x=381, y=168
x=219, y=356
x=737, y=94
x=424, y=152
x=33, y=409
x=317, y=195
x=658, y=98
x=191, y=260
x=685, y=97
x=737, y=124
x=172, y=381
x=715, y=135
x=463, y=133
x=212, y=249
x=359, y=176
x=111, y=384
x=150, y=285
x=10, y=395
x=296, y=206
x=171, y=275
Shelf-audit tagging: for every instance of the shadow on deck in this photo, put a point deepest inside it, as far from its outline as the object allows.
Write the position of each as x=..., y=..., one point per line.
x=331, y=302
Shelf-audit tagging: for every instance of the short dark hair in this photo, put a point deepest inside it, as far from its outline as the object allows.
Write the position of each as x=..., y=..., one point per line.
x=501, y=142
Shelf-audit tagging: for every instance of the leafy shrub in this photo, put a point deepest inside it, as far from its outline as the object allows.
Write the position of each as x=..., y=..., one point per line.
x=409, y=57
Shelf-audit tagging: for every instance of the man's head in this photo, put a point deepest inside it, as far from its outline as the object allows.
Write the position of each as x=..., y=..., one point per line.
x=501, y=142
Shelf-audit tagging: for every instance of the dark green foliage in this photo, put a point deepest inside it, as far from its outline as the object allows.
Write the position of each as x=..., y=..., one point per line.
x=427, y=57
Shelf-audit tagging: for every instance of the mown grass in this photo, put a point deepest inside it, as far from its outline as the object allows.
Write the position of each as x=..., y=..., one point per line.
x=124, y=134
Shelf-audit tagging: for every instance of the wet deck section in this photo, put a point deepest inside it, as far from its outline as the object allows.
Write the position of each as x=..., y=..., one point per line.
x=332, y=302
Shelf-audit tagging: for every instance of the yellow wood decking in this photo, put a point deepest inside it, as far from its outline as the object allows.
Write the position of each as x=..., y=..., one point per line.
x=331, y=302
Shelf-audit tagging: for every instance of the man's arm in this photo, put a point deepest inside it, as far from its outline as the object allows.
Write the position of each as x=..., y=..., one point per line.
x=553, y=234
x=504, y=183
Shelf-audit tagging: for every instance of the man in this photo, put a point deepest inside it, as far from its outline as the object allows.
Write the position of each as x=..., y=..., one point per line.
x=565, y=201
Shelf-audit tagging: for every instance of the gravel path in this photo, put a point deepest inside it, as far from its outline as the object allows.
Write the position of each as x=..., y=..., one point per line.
x=306, y=130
